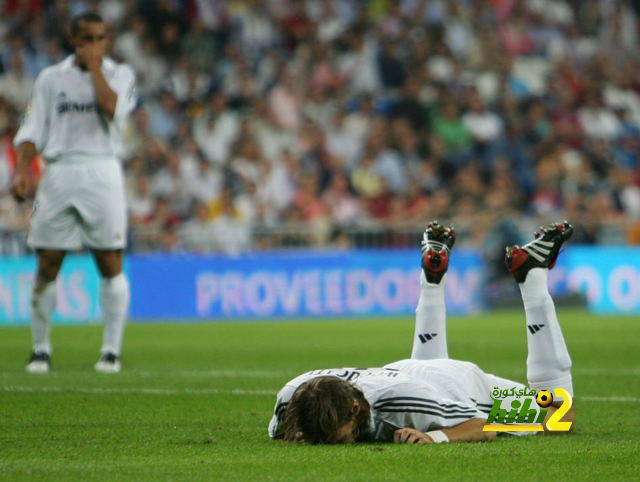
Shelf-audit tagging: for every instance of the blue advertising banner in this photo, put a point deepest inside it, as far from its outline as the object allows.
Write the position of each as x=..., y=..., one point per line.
x=293, y=284
x=309, y=283
x=77, y=296
x=608, y=277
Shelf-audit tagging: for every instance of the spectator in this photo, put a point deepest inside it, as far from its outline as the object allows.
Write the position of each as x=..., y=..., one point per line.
x=485, y=126
x=172, y=183
x=16, y=84
x=197, y=233
x=216, y=129
x=285, y=103
x=207, y=184
x=229, y=234
x=598, y=121
x=141, y=202
x=453, y=132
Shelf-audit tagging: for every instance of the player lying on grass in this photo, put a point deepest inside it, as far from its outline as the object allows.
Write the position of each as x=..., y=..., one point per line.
x=430, y=398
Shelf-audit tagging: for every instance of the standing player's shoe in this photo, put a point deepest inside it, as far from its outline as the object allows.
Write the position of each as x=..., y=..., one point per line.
x=542, y=252
x=40, y=362
x=437, y=242
x=108, y=363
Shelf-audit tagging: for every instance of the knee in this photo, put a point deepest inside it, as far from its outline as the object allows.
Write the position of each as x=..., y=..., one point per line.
x=48, y=266
x=109, y=263
x=111, y=271
x=46, y=274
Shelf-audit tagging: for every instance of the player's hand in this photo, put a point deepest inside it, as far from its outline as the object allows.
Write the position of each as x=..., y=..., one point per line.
x=411, y=436
x=90, y=55
x=20, y=187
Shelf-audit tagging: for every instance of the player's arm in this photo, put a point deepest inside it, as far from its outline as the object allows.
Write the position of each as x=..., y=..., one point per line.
x=282, y=401
x=470, y=431
x=31, y=137
x=106, y=98
x=25, y=154
x=90, y=55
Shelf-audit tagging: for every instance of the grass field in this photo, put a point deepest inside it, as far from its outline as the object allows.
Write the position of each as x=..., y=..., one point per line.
x=194, y=401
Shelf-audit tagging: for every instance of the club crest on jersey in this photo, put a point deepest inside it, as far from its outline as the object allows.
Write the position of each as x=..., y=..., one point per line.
x=28, y=111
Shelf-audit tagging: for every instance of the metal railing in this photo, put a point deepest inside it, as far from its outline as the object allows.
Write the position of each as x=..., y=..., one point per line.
x=292, y=236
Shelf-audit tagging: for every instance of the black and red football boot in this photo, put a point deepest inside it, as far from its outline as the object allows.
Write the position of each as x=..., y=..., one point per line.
x=542, y=252
x=437, y=242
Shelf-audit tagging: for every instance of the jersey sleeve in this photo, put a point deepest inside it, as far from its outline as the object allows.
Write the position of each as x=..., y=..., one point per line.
x=422, y=409
x=282, y=401
x=123, y=84
x=35, y=123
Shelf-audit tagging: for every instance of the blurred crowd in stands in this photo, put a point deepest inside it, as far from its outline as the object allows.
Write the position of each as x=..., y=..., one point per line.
x=281, y=123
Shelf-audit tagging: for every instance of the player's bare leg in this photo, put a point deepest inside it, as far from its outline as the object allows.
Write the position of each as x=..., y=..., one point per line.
x=115, y=305
x=548, y=361
x=430, y=339
x=43, y=301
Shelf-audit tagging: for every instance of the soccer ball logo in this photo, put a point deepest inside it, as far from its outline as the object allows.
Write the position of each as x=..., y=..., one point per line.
x=544, y=398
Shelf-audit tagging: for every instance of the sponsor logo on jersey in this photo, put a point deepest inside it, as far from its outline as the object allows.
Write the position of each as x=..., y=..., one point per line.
x=76, y=107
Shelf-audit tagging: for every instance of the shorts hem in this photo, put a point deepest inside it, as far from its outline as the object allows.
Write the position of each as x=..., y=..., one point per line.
x=50, y=247
x=74, y=247
x=106, y=248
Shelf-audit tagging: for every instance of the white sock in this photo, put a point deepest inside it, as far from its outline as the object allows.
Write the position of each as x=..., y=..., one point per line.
x=430, y=339
x=115, y=305
x=43, y=301
x=548, y=363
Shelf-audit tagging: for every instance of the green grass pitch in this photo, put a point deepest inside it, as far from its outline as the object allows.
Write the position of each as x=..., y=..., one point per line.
x=194, y=401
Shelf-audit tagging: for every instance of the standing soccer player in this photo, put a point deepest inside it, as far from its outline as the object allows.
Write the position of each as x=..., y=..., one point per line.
x=75, y=119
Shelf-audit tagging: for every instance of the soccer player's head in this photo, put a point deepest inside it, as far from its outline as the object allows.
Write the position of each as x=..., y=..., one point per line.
x=325, y=410
x=88, y=28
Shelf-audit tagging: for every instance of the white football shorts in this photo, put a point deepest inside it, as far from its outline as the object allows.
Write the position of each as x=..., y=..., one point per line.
x=80, y=203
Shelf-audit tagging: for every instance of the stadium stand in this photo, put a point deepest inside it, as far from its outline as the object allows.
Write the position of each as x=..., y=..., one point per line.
x=338, y=123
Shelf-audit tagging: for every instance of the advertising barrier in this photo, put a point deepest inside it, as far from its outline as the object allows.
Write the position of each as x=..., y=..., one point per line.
x=293, y=284
x=77, y=294
x=305, y=284
x=608, y=277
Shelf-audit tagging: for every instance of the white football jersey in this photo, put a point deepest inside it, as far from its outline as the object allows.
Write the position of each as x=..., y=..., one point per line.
x=63, y=119
x=421, y=394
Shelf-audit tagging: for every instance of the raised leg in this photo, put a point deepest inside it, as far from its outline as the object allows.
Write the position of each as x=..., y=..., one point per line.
x=548, y=362
x=430, y=339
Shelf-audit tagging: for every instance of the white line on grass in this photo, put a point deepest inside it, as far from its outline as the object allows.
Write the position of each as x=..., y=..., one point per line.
x=181, y=373
x=249, y=373
x=217, y=373
x=587, y=372
x=634, y=372
x=214, y=391
x=610, y=399
x=140, y=391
